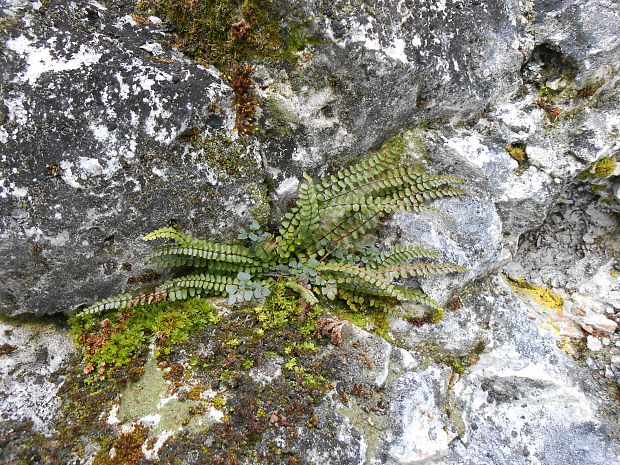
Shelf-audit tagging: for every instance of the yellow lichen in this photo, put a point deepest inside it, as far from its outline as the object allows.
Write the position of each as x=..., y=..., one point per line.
x=540, y=295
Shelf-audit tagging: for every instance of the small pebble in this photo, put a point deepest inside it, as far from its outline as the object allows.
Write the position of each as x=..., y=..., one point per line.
x=594, y=344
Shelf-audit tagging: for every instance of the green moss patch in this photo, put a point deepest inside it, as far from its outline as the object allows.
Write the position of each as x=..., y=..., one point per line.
x=605, y=167
x=122, y=335
x=517, y=152
x=220, y=32
x=233, y=36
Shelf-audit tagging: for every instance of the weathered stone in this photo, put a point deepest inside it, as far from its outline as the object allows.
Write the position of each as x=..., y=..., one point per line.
x=97, y=113
x=594, y=344
x=93, y=153
x=34, y=356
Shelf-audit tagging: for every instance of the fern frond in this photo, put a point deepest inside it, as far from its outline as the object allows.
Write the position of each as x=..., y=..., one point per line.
x=196, y=284
x=353, y=203
x=208, y=251
x=172, y=261
x=401, y=253
x=419, y=297
x=304, y=292
x=362, y=172
x=125, y=301
x=179, y=237
x=418, y=269
x=352, y=275
x=395, y=180
x=309, y=218
x=357, y=299
x=353, y=225
x=299, y=226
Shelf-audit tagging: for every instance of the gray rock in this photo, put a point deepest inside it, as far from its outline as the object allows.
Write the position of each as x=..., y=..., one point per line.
x=34, y=358
x=93, y=154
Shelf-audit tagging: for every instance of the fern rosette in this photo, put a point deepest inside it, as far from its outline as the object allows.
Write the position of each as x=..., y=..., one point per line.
x=324, y=246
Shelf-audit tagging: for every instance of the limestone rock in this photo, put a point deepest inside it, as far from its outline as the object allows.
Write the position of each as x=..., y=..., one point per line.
x=94, y=153
x=34, y=357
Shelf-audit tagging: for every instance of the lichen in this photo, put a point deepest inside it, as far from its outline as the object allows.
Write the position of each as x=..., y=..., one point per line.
x=540, y=295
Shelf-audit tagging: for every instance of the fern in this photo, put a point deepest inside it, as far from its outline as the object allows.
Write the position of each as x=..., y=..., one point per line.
x=318, y=250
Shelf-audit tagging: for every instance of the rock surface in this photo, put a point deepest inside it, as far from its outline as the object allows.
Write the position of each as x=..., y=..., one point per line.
x=33, y=361
x=108, y=132
x=93, y=153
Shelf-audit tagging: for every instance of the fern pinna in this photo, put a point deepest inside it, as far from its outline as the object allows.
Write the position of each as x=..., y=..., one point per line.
x=321, y=248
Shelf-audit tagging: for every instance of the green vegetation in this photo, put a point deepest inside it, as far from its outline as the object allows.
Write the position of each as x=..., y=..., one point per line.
x=233, y=36
x=221, y=32
x=115, y=341
x=605, y=167
x=517, y=152
x=324, y=248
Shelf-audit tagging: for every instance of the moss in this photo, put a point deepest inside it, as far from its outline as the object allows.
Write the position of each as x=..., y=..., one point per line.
x=9, y=22
x=230, y=156
x=117, y=340
x=605, y=167
x=279, y=121
x=233, y=35
x=279, y=309
x=221, y=32
x=517, y=152
x=127, y=449
x=433, y=316
x=368, y=318
x=261, y=210
x=540, y=295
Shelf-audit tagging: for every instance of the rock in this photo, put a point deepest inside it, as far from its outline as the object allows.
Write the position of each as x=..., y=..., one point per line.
x=594, y=344
x=468, y=235
x=362, y=357
x=94, y=154
x=422, y=430
x=108, y=132
x=34, y=357
x=600, y=322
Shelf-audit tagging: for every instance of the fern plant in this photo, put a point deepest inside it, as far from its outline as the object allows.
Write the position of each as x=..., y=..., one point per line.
x=324, y=246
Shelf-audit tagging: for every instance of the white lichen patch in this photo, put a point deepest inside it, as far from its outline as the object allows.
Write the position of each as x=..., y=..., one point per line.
x=41, y=59
x=533, y=183
x=152, y=452
x=28, y=375
x=367, y=34
x=419, y=417
x=304, y=105
x=471, y=148
x=287, y=187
